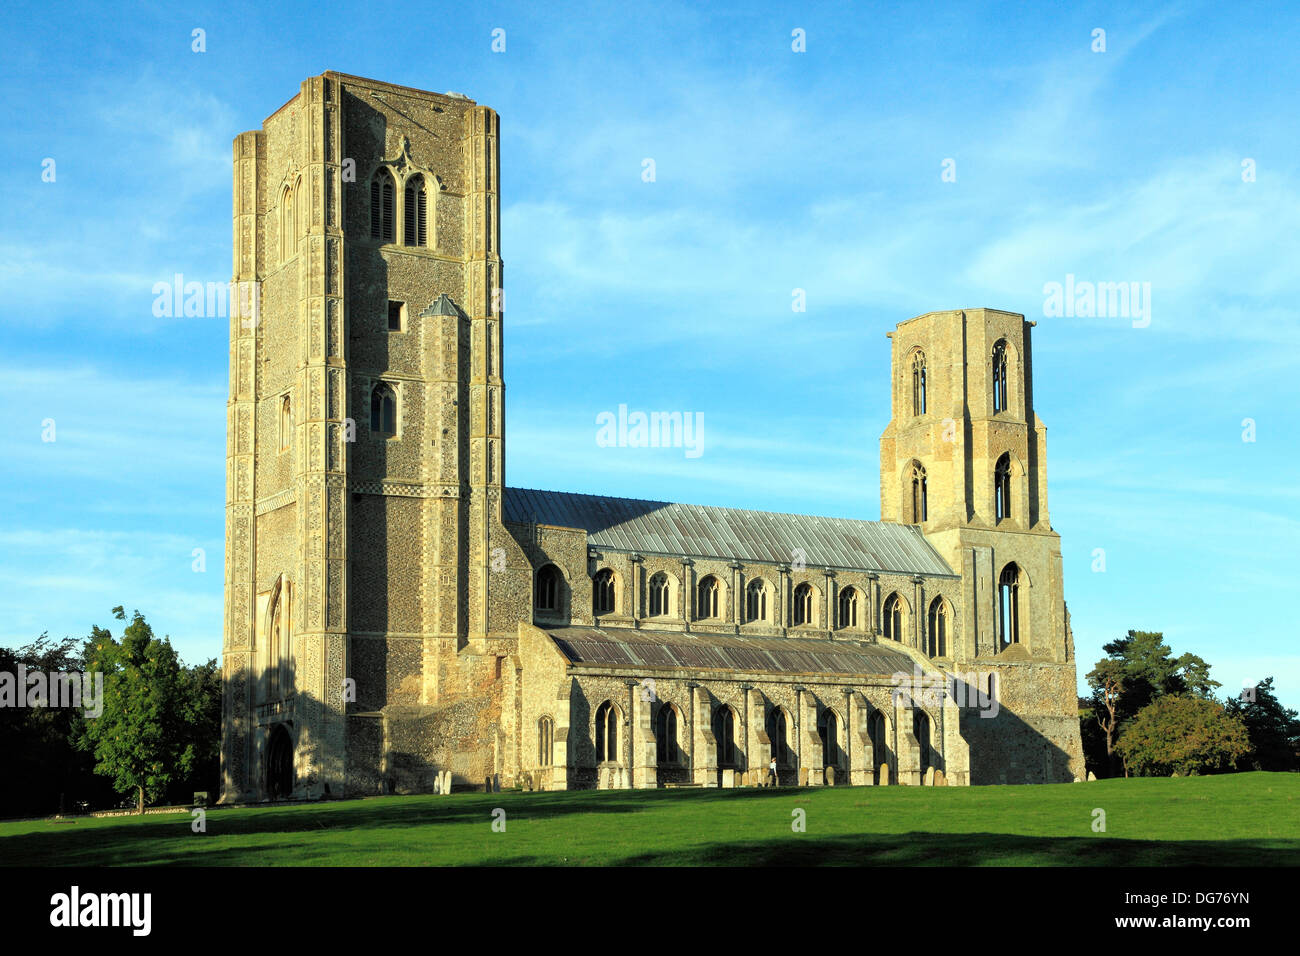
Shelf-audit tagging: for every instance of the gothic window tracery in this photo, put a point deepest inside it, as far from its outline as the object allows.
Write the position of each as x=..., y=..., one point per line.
x=918, y=383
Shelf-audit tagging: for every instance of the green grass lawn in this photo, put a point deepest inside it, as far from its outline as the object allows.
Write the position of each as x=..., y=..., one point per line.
x=1238, y=819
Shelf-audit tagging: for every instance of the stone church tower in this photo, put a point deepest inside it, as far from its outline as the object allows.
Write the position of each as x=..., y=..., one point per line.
x=365, y=460
x=965, y=458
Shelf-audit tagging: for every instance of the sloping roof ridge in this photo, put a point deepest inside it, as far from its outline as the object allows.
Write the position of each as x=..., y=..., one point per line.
x=687, y=504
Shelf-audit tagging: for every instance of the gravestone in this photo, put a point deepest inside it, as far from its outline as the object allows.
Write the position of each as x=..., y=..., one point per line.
x=940, y=780
x=928, y=780
x=446, y=781
x=496, y=783
x=1091, y=776
x=830, y=776
x=728, y=779
x=884, y=775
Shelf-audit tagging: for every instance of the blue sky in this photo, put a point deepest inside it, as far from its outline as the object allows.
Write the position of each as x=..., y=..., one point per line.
x=775, y=170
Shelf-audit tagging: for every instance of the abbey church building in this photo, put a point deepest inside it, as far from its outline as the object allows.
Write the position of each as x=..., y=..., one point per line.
x=395, y=611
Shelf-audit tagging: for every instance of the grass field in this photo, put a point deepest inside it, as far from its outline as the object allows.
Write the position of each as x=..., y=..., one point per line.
x=1239, y=819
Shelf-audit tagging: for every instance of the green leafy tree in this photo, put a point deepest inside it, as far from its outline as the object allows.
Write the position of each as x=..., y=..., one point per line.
x=1184, y=734
x=200, y=698
x=1274, y=730
x=141, y=741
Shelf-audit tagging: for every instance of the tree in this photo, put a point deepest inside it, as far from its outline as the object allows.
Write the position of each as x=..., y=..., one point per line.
x=46, y=771
x=141, y=740
x=1140, y=668
x=1185, y=734
x=1274, y=730
x=1107, y=681
x=200, y=698
x=1150, y=670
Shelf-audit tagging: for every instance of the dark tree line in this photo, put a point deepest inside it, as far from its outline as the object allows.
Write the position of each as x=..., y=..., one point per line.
x=156, y=738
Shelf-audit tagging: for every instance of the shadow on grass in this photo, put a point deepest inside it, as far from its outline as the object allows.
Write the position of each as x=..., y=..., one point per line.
x=906, y=849
x=975, y=849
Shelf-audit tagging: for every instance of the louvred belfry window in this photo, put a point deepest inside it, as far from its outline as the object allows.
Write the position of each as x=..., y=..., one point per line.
x=381, y=206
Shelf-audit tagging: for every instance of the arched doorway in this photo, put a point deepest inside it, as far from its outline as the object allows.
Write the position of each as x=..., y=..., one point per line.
x=724, y=732
x=828, y=728
x=878, y=728
x=279, y=763
x=921, y=727
x=778, y=732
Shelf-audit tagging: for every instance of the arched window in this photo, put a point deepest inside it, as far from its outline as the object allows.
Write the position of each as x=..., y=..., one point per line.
x=545, y=741
x=724, y=731
x=607, y=721
x=416, y=218
x=666, y=734
x=848, y=607
x=603, y=592
x=1009, y=606
x=383, y=410
x=778, y=732
x=802, y=611
x=918, y=488
x=828, y=729
x=999, y=369
x=937, y=633
x=918, y=383
x=660, y=595
x=547, y=597
x=278, y=643
x=286, y=225
x=893, y=618
x=286, y=422
x=381, y=206
x=1002, y=487
x=300, y=211
x=756, y=601
x=706, y=598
